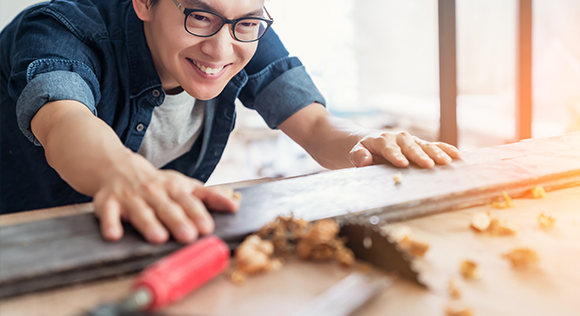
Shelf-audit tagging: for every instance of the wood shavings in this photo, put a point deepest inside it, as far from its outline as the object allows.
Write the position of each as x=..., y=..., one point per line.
x=521, y=258
x=254, y=256
x=483, y=222
x=398, y=177
x=480, y=222
x=230, y=193
x=506, y=203
x=414, y=247
x=546, y=221
x=538, y=192
x=453, y=290
x=321, y=243
x=458, y=309
x=400, y=232
x=284, y=237
x=501, y=227
x=403, y=236
x=469, y=269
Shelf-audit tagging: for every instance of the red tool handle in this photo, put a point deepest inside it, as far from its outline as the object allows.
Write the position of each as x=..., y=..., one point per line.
x=174, y=276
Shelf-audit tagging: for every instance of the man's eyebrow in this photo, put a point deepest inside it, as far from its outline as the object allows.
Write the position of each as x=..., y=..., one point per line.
x=198, y=4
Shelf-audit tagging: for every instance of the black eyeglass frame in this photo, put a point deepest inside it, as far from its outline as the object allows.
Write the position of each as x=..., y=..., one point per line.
x=225, y=21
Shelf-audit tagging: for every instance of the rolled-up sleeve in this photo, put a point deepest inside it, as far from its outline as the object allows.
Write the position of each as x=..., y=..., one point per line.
x=280, y=90
x=48, y=87
x=286, y=95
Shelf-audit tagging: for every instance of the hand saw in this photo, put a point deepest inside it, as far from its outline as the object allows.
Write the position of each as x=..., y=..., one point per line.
x=371, y=244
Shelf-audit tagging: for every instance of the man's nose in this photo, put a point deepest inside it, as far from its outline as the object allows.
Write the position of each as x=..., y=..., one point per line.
x=220, y=45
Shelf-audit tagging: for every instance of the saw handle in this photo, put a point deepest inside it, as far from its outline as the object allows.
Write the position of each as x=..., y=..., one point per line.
x=185, y=270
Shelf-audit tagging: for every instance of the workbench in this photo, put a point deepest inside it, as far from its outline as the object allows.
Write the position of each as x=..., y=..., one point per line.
x=549, y=288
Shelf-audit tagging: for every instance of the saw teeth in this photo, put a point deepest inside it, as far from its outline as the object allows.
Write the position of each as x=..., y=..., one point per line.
x=384, y=252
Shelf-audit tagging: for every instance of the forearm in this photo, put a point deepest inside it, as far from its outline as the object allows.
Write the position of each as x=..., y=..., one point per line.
x=327, y=139
x=338, y=143
x=78, y=145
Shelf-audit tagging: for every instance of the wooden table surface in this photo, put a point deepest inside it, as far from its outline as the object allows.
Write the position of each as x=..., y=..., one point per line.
x=548, y=289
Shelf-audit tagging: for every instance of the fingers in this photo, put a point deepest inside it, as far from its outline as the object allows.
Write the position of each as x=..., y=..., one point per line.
x=110, y=217
x=399, y=149
x=144, y=219
x=360, y=156
x=217, y=199
x=450, y=150
x=195, y=211
x=382, y=149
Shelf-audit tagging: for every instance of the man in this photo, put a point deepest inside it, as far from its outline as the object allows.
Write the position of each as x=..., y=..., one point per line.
x=107, y=92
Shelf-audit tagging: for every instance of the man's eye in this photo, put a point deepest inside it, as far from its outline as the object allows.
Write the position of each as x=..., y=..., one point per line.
x=248, y=24
x=199, y=17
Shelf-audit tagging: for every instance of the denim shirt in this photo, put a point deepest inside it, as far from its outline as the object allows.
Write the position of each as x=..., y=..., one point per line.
x=95, y=52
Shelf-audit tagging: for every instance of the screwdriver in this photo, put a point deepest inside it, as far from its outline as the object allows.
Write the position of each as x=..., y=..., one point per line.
x=172, y=277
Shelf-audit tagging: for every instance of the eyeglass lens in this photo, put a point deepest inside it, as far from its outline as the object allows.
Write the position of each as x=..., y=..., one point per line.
x=206, y=23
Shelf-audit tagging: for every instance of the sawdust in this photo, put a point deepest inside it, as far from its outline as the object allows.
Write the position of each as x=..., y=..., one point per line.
x=480, y=222
x=484, y=222
x=507, y=202
x=501, y=227
x=403, y=236
x=521, y=258
x=538, y=192
x=458, y=309
x=546, y=221
x=285, y=237
x=453, y=290
x=398, y=178
x=469, y=269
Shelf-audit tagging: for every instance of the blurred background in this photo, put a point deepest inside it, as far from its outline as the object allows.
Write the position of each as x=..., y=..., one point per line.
x=376, y=62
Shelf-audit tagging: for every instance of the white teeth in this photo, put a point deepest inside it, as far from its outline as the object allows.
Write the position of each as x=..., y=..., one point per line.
x=208, y=70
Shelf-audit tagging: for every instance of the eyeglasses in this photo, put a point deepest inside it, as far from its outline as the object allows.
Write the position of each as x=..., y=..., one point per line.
x=205, y=23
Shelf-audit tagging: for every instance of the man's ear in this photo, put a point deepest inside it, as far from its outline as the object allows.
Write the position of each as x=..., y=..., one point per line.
x=143, y=9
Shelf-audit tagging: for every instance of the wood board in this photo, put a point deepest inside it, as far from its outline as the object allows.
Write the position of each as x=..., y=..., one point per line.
x=55, y=252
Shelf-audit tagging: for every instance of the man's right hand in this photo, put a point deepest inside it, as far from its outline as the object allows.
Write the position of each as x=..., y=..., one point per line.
x=157, y=203
x=89, y=156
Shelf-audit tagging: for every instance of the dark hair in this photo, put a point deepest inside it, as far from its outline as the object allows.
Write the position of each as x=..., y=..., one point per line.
x=153, y=2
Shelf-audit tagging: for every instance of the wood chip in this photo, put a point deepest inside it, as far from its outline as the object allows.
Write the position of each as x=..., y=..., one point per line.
x=414, y=247
x=521, y=258
x=400, y=232
x=398, y=177
x=469, y=269
x=546, y=221
x=253, y=256
x=480, y=222
x=500, y=227
x=458, y=309
x=453, y=290
x=506, y=203
x=538, y=192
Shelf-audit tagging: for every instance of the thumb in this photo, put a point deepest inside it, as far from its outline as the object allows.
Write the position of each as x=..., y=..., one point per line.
x=360, y=156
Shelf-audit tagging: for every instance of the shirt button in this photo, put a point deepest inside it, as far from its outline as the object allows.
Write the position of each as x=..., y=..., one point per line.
x=139, y=127
x=155, y=93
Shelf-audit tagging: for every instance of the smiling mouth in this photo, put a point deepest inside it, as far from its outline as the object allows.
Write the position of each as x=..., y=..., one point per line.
x=207, y=70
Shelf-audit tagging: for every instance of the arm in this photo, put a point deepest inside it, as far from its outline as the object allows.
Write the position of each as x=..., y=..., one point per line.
x=89, y=156
x=338, y=143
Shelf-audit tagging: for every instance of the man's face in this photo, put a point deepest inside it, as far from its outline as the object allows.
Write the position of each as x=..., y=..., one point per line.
x=182, y=59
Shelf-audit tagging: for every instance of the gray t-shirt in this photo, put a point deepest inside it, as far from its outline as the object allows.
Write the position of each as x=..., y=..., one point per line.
x=174, y=127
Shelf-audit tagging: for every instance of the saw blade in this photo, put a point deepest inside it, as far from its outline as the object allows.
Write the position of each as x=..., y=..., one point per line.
x=372, y=244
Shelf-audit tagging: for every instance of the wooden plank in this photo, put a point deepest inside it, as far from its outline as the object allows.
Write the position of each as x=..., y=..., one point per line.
x=52, y=248
x=549, y=289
